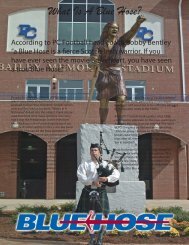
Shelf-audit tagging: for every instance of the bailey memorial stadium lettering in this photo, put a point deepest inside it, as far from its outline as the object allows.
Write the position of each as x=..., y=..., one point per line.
x=20, y=67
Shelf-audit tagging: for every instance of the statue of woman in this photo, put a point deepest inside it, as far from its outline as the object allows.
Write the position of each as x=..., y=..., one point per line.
x=106, y=54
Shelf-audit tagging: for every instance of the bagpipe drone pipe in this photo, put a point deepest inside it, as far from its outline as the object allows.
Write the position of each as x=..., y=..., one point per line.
x=112, y=164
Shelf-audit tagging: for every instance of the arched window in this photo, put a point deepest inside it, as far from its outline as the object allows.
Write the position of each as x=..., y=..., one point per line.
x=80, y=22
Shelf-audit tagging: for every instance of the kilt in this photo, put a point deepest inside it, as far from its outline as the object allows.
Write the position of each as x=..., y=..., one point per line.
x=110, y=85
x=84, y=205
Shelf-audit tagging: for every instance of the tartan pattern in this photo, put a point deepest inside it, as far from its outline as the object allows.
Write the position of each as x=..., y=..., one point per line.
x=84, y=201
x=110, y=84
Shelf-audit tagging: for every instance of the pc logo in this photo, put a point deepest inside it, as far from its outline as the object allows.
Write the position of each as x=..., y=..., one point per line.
x=145, y=34
x=27, y=31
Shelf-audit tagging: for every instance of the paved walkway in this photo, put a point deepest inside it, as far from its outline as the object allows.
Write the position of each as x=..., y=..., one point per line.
x=167, y=203
x=28, y=242
x=35, y=242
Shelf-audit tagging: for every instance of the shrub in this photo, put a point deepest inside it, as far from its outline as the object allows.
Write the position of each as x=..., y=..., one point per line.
x=24, y=209
x=186, y=231
x=67, y=207
x=82, y=232
x=119, y=211
x=172, y=222
x=179, y=214
x=172, y=233
x=40, y=209
x=181, y=225
x=54, y=209
x=32, y=209
x=142, y=234
x=1, y=209
x=114, y=232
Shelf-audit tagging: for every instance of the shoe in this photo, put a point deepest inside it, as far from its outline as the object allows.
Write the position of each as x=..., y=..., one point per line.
x=99, y=242
x=92, y=241
x=120, y=122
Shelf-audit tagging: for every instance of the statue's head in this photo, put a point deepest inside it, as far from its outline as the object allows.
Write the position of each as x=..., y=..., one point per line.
x=111, y=29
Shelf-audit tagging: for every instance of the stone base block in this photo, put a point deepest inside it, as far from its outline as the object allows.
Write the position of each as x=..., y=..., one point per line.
x=129, y=195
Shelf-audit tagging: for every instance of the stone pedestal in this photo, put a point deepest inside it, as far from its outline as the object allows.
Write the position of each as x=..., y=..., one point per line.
x=130, y=193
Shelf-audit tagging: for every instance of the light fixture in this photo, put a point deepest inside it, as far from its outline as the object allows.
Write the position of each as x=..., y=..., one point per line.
x=182, y=144
x=29, y=148
x=32, y=160
x=15, y=125
x=156, y=127
x=54, y=81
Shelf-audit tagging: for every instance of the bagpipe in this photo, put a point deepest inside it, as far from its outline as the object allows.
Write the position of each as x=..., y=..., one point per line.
x=107, y=171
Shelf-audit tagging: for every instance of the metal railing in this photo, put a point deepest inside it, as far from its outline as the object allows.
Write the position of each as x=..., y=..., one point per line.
x=84, y=96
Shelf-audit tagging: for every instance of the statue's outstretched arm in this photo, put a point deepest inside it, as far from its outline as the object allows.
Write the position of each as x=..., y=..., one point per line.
x=126, y=38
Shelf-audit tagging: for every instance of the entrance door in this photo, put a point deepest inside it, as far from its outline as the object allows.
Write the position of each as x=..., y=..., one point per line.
x=145, y=162
x=32, y=159
x=66, y=176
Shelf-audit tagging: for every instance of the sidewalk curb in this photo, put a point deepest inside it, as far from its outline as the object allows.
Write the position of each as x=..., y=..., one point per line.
x=38, y=241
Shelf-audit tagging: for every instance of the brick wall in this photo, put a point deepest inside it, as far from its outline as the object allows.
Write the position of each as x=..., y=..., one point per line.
x=8, y=164
x=156, y=83
x=165, y=167
x=53, y=120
